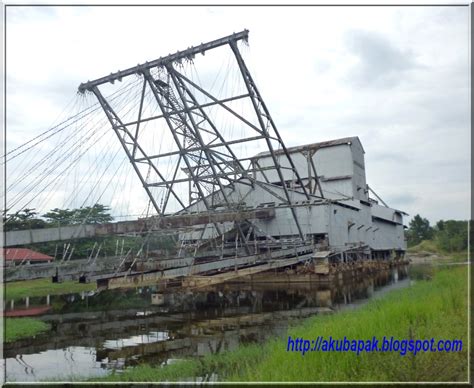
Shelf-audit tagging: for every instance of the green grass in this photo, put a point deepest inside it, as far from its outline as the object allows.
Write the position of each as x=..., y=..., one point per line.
x=186, y=370
x=459, y=257
x=18, y=328
x=436, y=308
x=428, y=246
x=428, y=309
x=43, y=287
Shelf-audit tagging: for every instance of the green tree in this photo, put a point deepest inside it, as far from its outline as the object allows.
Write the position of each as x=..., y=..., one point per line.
x=452, y=236
x=440, y=226
x=97, y=214
x=59, y=216
x=23, y=219
x=419, y=230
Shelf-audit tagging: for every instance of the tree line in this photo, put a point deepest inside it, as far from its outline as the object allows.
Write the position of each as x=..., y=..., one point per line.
x=83, y=248
x=449, y=235
x=30, y=219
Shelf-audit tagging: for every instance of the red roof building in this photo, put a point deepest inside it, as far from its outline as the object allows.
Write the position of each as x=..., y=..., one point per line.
x=14, y=256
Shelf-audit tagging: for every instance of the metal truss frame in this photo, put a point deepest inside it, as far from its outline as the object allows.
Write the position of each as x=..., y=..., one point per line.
x=211, y=165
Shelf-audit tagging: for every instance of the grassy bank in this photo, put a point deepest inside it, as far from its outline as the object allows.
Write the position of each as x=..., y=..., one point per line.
x=429, y=249
x=43, y=287
x=18, y=328
x=436, y=308
x=428, y=246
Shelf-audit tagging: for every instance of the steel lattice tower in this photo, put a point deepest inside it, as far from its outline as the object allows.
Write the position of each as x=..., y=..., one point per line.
x=202, y=153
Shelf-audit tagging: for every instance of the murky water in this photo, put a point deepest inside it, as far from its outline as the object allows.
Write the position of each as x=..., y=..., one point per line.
x=95, y=333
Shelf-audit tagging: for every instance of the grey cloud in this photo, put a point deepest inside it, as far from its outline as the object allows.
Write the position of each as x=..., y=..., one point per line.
x=389, y=156
x=450, y=15
x=381, y=63
x=30, y=13
x=424, y=107
x=57, y=90
x=399, y=201
x=292, y=123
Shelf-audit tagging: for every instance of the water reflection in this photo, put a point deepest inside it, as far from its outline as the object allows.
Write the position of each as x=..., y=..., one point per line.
x=148, y=338
x=93, y=334
x=66, y=364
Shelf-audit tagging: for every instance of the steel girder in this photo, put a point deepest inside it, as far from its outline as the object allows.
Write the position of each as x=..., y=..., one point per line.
x=209, y=161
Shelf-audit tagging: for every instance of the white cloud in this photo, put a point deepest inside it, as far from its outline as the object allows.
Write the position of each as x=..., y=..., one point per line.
x=395, y=76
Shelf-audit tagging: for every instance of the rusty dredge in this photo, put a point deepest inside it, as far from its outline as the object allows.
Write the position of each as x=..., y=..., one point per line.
x=244, y=207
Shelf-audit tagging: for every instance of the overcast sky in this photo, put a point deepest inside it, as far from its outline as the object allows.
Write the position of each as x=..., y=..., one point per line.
x=397, y=77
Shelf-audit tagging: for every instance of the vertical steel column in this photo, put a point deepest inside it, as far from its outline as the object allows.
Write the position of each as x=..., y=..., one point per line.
x=253, y=96
x=206, y=117
x=166, y=114
x=157, y=96
x=200, y=140
x=208, y=154
x=194, y=130
x=318, y=182
x=113, y=118
x=139, y=118
x=307, y=154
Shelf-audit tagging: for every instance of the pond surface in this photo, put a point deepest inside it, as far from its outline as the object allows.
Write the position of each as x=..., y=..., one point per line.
x=93, y=334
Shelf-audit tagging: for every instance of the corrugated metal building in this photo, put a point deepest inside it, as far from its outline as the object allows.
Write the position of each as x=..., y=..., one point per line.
x=340, y=214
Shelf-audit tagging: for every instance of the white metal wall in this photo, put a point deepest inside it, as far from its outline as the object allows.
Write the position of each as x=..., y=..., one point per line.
x=347, y=223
